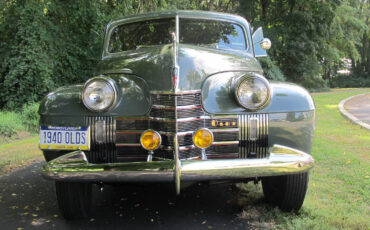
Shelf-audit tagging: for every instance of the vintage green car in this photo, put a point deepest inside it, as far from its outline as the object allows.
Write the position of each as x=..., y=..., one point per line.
x=178, y=97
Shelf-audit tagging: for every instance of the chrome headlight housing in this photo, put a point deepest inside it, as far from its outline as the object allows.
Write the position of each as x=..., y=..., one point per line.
x=99, y=94
x=253, y=92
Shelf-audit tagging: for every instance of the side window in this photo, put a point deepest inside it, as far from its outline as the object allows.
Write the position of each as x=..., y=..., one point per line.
x=136, y=35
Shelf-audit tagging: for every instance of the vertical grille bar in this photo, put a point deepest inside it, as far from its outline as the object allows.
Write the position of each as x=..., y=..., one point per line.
x=253, y=144
x=102, y=151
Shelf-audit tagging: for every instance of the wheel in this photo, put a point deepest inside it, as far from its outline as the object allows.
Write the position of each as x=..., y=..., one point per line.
x=74, y=199
x=286, y=192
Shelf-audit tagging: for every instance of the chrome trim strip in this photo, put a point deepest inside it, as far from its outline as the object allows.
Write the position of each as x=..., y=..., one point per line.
x=181, y=148
x=128, y=144
x=175, y=93
x=177, y=168
x=226, y=143
x=131, y=118
x=178, y=134
x=74, y=166
x=190, y=147
x=175, y=120
x=187, y=147
x=215, y=116
x=129, y=131
x=224, y=130
x=164, y=107
x=179, y=120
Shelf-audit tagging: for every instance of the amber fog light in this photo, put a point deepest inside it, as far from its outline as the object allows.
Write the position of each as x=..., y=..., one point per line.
x=150, y=140
x=203, y=138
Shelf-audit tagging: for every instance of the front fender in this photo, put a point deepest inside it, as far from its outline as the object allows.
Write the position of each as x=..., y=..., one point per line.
x=133, y=99
x=218, y=96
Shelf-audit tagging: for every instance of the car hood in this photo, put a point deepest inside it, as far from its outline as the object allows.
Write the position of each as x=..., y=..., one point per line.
x=155, y=65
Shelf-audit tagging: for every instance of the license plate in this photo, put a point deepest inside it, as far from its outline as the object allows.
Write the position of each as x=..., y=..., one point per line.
x=68, y=138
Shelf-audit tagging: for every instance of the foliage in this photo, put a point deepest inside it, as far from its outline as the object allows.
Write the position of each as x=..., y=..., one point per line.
x=10, y=123
x=25, y=119
x=30, y=117
x=26, y=67
x=49, y=43
x=350, y=81
x=271, y=70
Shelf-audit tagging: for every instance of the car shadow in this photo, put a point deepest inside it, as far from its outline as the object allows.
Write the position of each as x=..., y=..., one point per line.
x=27, y=201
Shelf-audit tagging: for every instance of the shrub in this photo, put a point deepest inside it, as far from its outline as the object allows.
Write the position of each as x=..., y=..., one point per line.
x=10, y=122
x=350, y=81
x=30, y=117
x=271, y=70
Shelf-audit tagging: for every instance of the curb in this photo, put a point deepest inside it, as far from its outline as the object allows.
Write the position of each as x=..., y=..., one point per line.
x=349, y=116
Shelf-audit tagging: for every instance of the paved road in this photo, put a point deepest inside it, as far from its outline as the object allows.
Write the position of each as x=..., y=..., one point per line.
x=27, y=201
x=359, y=107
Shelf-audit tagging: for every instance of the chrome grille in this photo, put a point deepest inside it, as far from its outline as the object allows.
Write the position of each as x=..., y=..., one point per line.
x=183, y=99
x=253, y=135
x=177, y=113
x=102, y=148
x=182, y=114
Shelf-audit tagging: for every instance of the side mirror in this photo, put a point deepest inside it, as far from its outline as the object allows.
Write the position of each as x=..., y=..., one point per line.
x=260, y=43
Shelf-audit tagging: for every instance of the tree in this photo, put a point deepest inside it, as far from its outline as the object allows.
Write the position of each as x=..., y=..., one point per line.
x=26, y=66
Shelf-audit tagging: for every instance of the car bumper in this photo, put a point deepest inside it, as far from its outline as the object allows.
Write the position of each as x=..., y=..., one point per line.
x=75, y=167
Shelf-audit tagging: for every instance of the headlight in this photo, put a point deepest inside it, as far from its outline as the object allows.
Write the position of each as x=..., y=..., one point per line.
x=253, y=92
x=99, y=94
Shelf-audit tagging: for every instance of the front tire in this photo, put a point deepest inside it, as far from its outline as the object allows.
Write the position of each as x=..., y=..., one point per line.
x=74, y=199
x=286, y=192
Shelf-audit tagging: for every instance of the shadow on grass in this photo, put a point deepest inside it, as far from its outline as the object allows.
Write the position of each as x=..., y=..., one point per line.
x=261, y=215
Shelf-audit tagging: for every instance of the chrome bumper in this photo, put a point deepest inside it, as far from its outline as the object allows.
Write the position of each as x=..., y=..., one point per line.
x=75, y=167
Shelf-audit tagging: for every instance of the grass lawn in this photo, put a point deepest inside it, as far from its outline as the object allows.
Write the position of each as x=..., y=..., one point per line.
x=338, y=192
x=19, y=153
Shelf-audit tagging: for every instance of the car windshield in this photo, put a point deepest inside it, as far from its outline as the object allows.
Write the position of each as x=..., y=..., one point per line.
x=200, y=32
x=210, y=33
x=135, y=35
